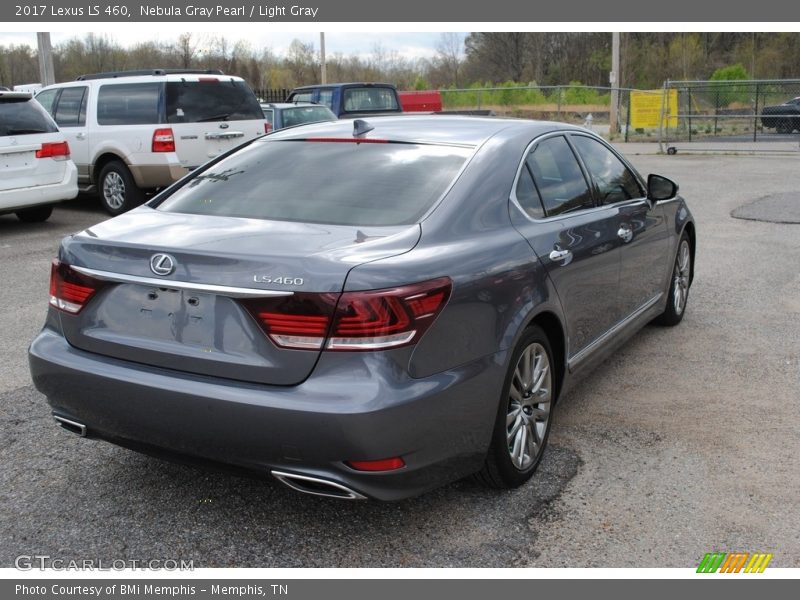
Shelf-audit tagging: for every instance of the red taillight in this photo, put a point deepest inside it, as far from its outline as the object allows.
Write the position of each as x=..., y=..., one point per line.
x=369, y=320
x=267, y=127
x=57, y=150
x=384, y=464
x=163, y=140
x=70, y=290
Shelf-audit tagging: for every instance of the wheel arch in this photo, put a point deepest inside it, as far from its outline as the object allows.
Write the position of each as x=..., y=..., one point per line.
x=690, y=231
x=101, y=161
x=549, y=322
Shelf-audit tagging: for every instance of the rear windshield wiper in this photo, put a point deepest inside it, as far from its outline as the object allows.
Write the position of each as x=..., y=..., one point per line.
x=25, y=131
x=219, y=117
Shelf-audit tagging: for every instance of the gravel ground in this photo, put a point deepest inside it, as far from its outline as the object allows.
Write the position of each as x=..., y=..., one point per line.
x=684, y=442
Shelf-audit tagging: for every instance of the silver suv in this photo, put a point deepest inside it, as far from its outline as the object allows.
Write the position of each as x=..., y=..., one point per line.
x=132, y=132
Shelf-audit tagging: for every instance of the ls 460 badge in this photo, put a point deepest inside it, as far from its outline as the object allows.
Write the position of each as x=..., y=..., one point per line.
x=278, y=280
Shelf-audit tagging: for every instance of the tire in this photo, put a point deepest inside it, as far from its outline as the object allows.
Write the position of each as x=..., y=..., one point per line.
x=524, y=414
x=37, y=214
x=680, y=281
x=118, y=191
x=784, y=126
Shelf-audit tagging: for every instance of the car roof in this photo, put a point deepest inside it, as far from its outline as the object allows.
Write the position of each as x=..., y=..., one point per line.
x=430, y=129
x=14, y=95
x=290, y=105
x=349, y=84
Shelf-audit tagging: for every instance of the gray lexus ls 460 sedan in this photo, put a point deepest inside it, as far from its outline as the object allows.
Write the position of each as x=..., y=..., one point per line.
x=364, y=309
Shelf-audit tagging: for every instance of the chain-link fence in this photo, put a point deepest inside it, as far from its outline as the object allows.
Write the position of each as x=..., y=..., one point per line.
x=577, y=104
x=732, y=111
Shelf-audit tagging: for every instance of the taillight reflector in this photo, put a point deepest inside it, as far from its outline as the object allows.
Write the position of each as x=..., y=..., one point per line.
x=384, y=464
x=57, y=150
x=163, y=140
x=368, y=320
x=70, y=290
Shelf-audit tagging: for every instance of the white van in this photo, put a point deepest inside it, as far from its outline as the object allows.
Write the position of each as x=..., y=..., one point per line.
x=132, y=132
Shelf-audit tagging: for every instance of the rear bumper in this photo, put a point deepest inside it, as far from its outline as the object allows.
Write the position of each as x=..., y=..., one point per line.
x=66, y=189
x=440, y=425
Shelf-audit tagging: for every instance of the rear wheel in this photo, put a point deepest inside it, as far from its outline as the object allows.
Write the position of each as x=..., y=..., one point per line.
x=118, y=191
x=679, y=285
x=524, y=417
x=37, y=214
x=784, y=126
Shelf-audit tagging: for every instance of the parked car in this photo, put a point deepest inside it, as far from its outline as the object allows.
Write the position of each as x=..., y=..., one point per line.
x=283, y=114
x=785, y=118
x=133, y=132
x=35, y=169
x=347, y=100
x=367, y=308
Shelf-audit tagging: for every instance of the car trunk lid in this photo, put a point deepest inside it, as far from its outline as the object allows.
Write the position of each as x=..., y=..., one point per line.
x=194, y=319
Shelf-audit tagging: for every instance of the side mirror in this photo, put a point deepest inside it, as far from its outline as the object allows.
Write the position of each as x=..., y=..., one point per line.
x=660, y=188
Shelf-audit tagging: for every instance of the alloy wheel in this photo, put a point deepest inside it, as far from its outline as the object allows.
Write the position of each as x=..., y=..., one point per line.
x=529, y=401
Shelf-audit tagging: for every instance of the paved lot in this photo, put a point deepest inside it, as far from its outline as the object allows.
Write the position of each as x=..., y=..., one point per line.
x=685, y=441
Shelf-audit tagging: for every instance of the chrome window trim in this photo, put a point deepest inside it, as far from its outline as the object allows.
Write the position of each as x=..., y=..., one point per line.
x=574, y=213
x=230, y=291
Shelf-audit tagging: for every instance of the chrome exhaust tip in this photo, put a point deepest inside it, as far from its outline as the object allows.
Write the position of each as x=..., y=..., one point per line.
x=316, y=486
x=71, y=426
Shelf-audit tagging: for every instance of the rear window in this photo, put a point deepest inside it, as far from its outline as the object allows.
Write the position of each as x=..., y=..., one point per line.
x=128, y=104
x=211, y=100
x=369, y=98
x=21, y=116
x=306, y=114
x=323, y=182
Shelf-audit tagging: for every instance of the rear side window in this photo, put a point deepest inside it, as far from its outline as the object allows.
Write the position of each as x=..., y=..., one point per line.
x=558, y=177
x=326, y=97
x=369, y=98
x=301, y=97
x=20, y=116
x=614, y=181
x=46, y=99
x=527, y=194
x=306, y=114
x=128, y=104
x=211, y=100
x=71, y=107
x=323, y=182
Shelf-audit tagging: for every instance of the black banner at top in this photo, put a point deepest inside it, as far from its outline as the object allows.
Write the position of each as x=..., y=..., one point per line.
x=338, y=11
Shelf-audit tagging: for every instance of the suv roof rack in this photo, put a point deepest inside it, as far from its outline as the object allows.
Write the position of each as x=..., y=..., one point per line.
x=113, y=74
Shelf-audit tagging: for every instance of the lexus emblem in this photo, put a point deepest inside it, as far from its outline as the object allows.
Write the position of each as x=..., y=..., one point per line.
x=223, y=125
x=162, y=264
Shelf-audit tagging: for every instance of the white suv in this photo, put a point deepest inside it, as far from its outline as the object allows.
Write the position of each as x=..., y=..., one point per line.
x=35, y=169
x=138, y=131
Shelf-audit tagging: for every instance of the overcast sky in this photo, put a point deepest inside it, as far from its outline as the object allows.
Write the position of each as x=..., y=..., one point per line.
x=407, y=45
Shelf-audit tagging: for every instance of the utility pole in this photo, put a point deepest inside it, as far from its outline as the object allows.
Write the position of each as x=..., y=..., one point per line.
x=324, y=69
x=46, y=72
x=613, y=78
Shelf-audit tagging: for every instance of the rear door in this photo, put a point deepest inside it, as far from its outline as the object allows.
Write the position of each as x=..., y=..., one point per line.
x=642, y=231
x=575, y=240
x=211, y=115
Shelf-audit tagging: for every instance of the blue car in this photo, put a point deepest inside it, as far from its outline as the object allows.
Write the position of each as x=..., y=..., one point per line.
x=364, y=309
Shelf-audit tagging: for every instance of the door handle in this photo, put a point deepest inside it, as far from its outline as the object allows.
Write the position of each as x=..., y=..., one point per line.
x=625, y=234
x=80, y=136
x=561, y=255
